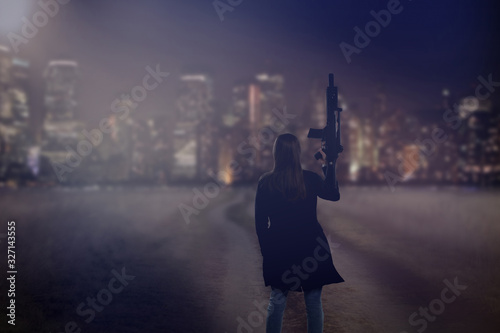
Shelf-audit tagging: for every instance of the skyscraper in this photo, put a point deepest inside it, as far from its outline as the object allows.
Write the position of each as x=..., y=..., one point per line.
x=14, y=115
x=6, y=131
x=378, y=116
x=479, y=146
x=61, y=131
x=60, y=90
x=5, y=69
x=20, y=91
x=271, y=94
x=195, y=130
x=265, y=96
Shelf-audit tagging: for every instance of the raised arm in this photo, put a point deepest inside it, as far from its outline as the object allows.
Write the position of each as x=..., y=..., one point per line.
x=329, y=187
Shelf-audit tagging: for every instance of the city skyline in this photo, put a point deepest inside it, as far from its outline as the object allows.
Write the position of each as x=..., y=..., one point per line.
x=404, y=70
x=383, y=144
x=157, y=172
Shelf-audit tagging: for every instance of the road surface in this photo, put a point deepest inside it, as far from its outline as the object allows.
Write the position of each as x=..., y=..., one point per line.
x=125, y=260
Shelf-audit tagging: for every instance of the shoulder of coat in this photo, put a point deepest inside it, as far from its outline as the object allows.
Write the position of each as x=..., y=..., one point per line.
x=264, y=178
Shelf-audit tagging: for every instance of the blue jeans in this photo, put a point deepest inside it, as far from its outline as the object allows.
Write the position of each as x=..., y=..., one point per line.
x=276, y=308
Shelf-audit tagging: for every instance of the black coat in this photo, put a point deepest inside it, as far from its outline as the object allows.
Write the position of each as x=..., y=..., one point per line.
x=295, y=250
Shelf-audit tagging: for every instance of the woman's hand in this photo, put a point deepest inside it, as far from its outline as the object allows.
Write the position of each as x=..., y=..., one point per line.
x=323, y=155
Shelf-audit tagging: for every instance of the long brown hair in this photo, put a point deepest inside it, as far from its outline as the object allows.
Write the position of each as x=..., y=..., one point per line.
x=286, y=175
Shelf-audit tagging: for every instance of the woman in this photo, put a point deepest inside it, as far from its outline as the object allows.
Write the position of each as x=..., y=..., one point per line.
x=296, y=254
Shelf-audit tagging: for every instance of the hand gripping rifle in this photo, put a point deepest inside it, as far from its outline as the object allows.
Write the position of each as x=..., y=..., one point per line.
x=330, y=135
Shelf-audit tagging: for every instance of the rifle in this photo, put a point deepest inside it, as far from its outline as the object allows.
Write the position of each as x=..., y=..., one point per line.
x=330, y=135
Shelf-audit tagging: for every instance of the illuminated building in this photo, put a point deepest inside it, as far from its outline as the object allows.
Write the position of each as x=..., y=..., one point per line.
x=240, y=100
x=60, y=94
x=14, y=116
x=255, y=124
x=7, y=132
x=5, y=70
x=194, y=136
x=271, y=95
x=239, y=123
x=479, y=146
x=60, y=129
x=379, y=116
x=229, y=166
x=115, y=152
x=393, y=137
x=160, y=148
x=253, y=102
x=234, y=130
x=410, y=161
x=20, y=91
x=353, y=144
x=440, y=163
x=314, y=116
x=266, y=95
x=369, y=151
x=147, y=149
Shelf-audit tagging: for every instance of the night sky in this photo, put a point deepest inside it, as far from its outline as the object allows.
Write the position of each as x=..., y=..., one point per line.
x=429, y=45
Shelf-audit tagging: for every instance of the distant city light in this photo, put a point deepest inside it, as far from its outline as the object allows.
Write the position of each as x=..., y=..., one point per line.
x=34, y=159
x=200, y=77
x=467, y=106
